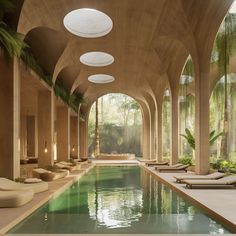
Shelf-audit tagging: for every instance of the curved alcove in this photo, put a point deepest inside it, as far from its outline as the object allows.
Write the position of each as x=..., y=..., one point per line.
x=97, y=59
x=88, y=23
x=101, y=78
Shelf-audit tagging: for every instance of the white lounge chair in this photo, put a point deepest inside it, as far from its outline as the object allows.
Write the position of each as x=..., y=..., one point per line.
x=9, y=185
x=215, y=175
x=15, y=198
x=47, y=175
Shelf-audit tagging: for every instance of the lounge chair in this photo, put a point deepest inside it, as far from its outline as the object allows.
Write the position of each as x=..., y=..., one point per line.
x=173, y=166
x=61, y=166
x=172, y=169
x=47, y=175
x=15, y=198
x=225, y=182
x=215, y=175
x=146, y=160
x=9, y=185
x=75, y=166
x=164, y=163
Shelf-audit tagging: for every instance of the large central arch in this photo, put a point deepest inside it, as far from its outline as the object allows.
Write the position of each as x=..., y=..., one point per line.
x=120, y=125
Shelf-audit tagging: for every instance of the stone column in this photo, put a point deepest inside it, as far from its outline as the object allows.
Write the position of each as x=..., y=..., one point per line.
x=174, y=153
x=159, y=134
x=10, y=118
x=146, y=136
x=202, y=122
x=63, y=133
x=31, y=136
x=74, y=136
x=153, y=134
x=45, y=128
x=83, y=152
x=23, y=137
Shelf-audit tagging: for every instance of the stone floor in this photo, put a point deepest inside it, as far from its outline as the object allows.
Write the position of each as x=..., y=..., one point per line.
x=220, y=203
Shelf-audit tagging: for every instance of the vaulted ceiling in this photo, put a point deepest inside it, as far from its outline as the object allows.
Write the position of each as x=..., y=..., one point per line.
x=150, y=42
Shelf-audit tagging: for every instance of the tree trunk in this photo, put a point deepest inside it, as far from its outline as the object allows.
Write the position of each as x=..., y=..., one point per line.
x=97, y=141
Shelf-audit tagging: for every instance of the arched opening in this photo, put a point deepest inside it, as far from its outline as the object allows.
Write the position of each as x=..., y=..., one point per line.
x=115, y=126
x=166, y=125
x=223, y=99
x=187, y=111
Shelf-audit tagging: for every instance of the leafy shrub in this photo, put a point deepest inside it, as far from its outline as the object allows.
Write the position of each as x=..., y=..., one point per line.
x=186, y=160
x=224, y=165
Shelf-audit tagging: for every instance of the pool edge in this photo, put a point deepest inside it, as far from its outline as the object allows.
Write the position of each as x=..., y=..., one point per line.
x=225, y=222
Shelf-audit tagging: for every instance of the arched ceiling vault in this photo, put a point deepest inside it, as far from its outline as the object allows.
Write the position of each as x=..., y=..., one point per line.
x=150, y=42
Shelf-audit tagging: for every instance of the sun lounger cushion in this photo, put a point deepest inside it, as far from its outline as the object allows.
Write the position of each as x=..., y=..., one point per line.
x=182, y=168
x=146, y=160
x=47, y=175
x=15, y=198
x=9, y=185
x=32, y=180
x=228, y=180
x=169, y=167
x=215, y=175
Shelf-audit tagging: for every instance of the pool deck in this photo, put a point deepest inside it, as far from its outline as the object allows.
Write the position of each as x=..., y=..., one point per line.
x=12, y=216
x=219, y=203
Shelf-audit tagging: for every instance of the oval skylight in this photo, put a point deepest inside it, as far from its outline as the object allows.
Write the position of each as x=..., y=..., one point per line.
x=97, y=59
x=88, y=23
x=101, y=79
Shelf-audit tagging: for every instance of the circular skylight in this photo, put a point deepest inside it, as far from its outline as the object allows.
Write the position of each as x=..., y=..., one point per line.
x=88, y=23
x=101, y=79
x=232, y=9
x=97, y=59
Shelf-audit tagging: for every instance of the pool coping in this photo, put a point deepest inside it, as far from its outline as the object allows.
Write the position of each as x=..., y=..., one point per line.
x=209, y=211
x=66, y=183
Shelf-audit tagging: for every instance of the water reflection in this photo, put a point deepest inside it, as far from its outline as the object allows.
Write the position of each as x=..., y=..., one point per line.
x=119, y=200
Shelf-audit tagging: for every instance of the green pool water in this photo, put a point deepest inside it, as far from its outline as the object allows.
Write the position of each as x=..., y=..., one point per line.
x=118, y=200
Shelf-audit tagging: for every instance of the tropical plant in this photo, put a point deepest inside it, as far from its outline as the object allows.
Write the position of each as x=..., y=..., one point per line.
x=191, y=140
x=11, y=42
x=186, y=160
x=225, y=46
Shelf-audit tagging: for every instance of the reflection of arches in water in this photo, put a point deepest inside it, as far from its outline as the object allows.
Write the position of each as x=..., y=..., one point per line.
x=120, y=125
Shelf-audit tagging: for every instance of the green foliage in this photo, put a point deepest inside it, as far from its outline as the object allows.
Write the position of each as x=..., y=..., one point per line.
x=72, y=100
x=191, y=140
x=189, y=137
x=186, y=160
x=224, y=165
x=11, y=42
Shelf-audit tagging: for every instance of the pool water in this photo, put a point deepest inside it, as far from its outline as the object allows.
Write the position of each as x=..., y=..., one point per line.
x=118, y=200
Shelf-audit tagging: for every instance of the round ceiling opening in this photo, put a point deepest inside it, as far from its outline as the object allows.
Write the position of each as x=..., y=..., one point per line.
x=88, y=23
x=97, y=59
x=101, y=79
